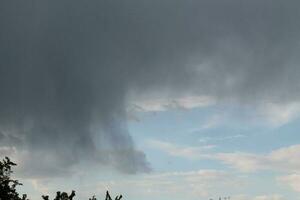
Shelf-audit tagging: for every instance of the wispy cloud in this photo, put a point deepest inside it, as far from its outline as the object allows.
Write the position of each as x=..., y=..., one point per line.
x=181, y=151
x=176, y=185
x=212, y=121
x=278, y=114
x=283, y=159
x=220, y=138
x=260, y=197
x=269, y=197
x=164, y=104
x=292, y=180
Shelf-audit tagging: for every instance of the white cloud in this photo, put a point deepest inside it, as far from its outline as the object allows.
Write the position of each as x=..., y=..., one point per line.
x=260, y=197
x=245, y=162
x=175, y=185
x=269, y=197
x=39, y=186
x=271, y=113
x=212, y=122
x=221, y=138
x=284, y=159
x=181, y=151
x=278, y=114
x=292, y=180
x=164, y=104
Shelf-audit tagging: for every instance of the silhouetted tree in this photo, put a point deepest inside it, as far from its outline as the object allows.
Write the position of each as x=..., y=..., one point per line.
x=8, y=185
x=109, y=198
x=93, y=198
x=61, y=196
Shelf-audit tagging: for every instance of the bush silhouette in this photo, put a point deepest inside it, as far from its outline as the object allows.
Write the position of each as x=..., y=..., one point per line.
x=8, y=186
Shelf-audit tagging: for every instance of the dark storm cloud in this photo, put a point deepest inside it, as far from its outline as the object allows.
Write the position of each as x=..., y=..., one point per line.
x=67, y=67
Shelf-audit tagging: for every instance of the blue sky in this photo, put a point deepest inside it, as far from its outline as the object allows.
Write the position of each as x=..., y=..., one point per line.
x=184, y=139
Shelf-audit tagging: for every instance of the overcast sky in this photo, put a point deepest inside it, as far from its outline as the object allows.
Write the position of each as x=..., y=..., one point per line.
x=155, y=99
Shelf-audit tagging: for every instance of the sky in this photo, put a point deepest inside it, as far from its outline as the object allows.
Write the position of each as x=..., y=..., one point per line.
x=160, y=99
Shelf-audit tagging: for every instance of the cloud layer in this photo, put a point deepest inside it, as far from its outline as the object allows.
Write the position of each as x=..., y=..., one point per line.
x=68, y=68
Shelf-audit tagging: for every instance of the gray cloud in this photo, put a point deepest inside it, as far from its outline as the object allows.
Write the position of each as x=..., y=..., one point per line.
x=67, y=67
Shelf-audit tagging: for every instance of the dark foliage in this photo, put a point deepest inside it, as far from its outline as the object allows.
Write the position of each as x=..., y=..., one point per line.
x=61, y=196
x=65, y=196
x=8, y=186
x=109, y=198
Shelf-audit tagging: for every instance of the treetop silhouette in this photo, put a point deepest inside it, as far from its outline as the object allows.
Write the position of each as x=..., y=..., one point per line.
x=8, y=186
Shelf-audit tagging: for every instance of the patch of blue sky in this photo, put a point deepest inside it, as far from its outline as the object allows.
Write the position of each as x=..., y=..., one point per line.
x=229, y=129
